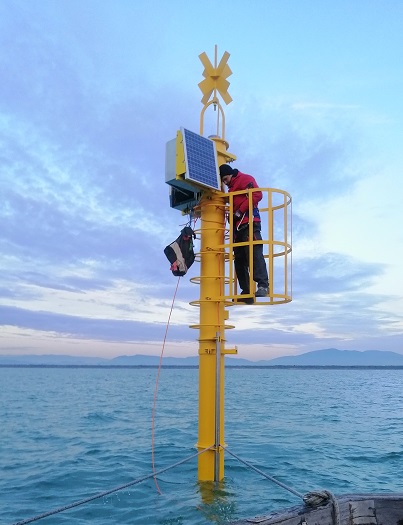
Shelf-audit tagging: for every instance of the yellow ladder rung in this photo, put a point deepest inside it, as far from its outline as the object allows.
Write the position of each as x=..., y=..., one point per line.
x=230, y=351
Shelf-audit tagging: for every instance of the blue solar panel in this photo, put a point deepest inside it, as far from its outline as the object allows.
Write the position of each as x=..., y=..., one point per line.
x=201, y=160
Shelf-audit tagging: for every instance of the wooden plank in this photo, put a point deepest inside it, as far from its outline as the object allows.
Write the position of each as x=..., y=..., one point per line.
x=389, y=511
x=363, y=513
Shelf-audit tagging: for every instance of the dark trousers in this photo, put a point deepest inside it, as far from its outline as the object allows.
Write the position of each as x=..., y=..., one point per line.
x=241, y=259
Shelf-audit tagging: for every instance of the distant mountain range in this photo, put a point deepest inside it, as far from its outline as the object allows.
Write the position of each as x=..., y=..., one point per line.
x=327, y=357
x=334, y=357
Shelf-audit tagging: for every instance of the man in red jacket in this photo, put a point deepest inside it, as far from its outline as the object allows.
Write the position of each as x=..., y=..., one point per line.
x=236, y=181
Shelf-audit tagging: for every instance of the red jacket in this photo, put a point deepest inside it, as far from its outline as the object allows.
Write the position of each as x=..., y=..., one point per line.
x=241, y=181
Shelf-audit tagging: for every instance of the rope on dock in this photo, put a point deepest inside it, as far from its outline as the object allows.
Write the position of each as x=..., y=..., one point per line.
x=111, y=491
x=316, y=498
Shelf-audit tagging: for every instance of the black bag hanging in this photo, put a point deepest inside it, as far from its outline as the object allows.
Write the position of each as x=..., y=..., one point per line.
x=180, y=252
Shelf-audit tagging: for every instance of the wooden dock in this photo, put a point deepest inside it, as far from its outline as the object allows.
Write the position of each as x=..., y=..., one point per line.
x=353, y=509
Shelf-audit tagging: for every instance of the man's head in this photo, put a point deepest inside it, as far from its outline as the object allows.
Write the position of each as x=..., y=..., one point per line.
x=226, y=173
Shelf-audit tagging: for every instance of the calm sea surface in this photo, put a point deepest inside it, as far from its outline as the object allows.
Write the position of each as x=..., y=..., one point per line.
x=70, y=433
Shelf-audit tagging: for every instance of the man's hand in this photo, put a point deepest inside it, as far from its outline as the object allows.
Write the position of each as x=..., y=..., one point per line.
x=238, y=215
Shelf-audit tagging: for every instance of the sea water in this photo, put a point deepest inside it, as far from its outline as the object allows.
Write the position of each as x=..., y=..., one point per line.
x=68, y=434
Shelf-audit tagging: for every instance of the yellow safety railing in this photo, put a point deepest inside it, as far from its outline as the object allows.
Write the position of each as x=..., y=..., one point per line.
x=275, y=210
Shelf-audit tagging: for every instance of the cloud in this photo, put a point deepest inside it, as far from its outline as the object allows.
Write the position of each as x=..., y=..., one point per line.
x=79, y=327
x=84, y=119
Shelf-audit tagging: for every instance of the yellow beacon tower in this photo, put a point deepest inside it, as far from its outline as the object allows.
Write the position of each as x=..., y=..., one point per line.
x=192, y=172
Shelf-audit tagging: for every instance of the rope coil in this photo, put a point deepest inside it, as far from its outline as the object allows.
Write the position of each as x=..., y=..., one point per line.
x=316, y=498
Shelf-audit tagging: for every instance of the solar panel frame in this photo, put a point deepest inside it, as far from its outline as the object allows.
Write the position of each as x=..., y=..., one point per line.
x=201, y=160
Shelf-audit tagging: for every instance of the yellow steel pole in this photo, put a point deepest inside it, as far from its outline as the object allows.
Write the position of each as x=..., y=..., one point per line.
x=212, y=307
x=211, y=463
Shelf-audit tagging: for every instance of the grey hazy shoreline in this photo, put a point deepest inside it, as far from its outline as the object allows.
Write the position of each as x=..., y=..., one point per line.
x=330, y=357
x=276, y=367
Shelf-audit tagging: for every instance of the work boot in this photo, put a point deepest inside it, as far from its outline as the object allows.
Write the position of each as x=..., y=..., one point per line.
x=261, y=291
x=246, y=300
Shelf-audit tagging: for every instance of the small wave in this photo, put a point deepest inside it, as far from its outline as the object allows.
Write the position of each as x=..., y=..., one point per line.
x=394, y=455
x=99, y=416
x=376, y=458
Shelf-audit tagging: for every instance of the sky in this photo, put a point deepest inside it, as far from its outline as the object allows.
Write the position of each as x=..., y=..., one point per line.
x=91, y=92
